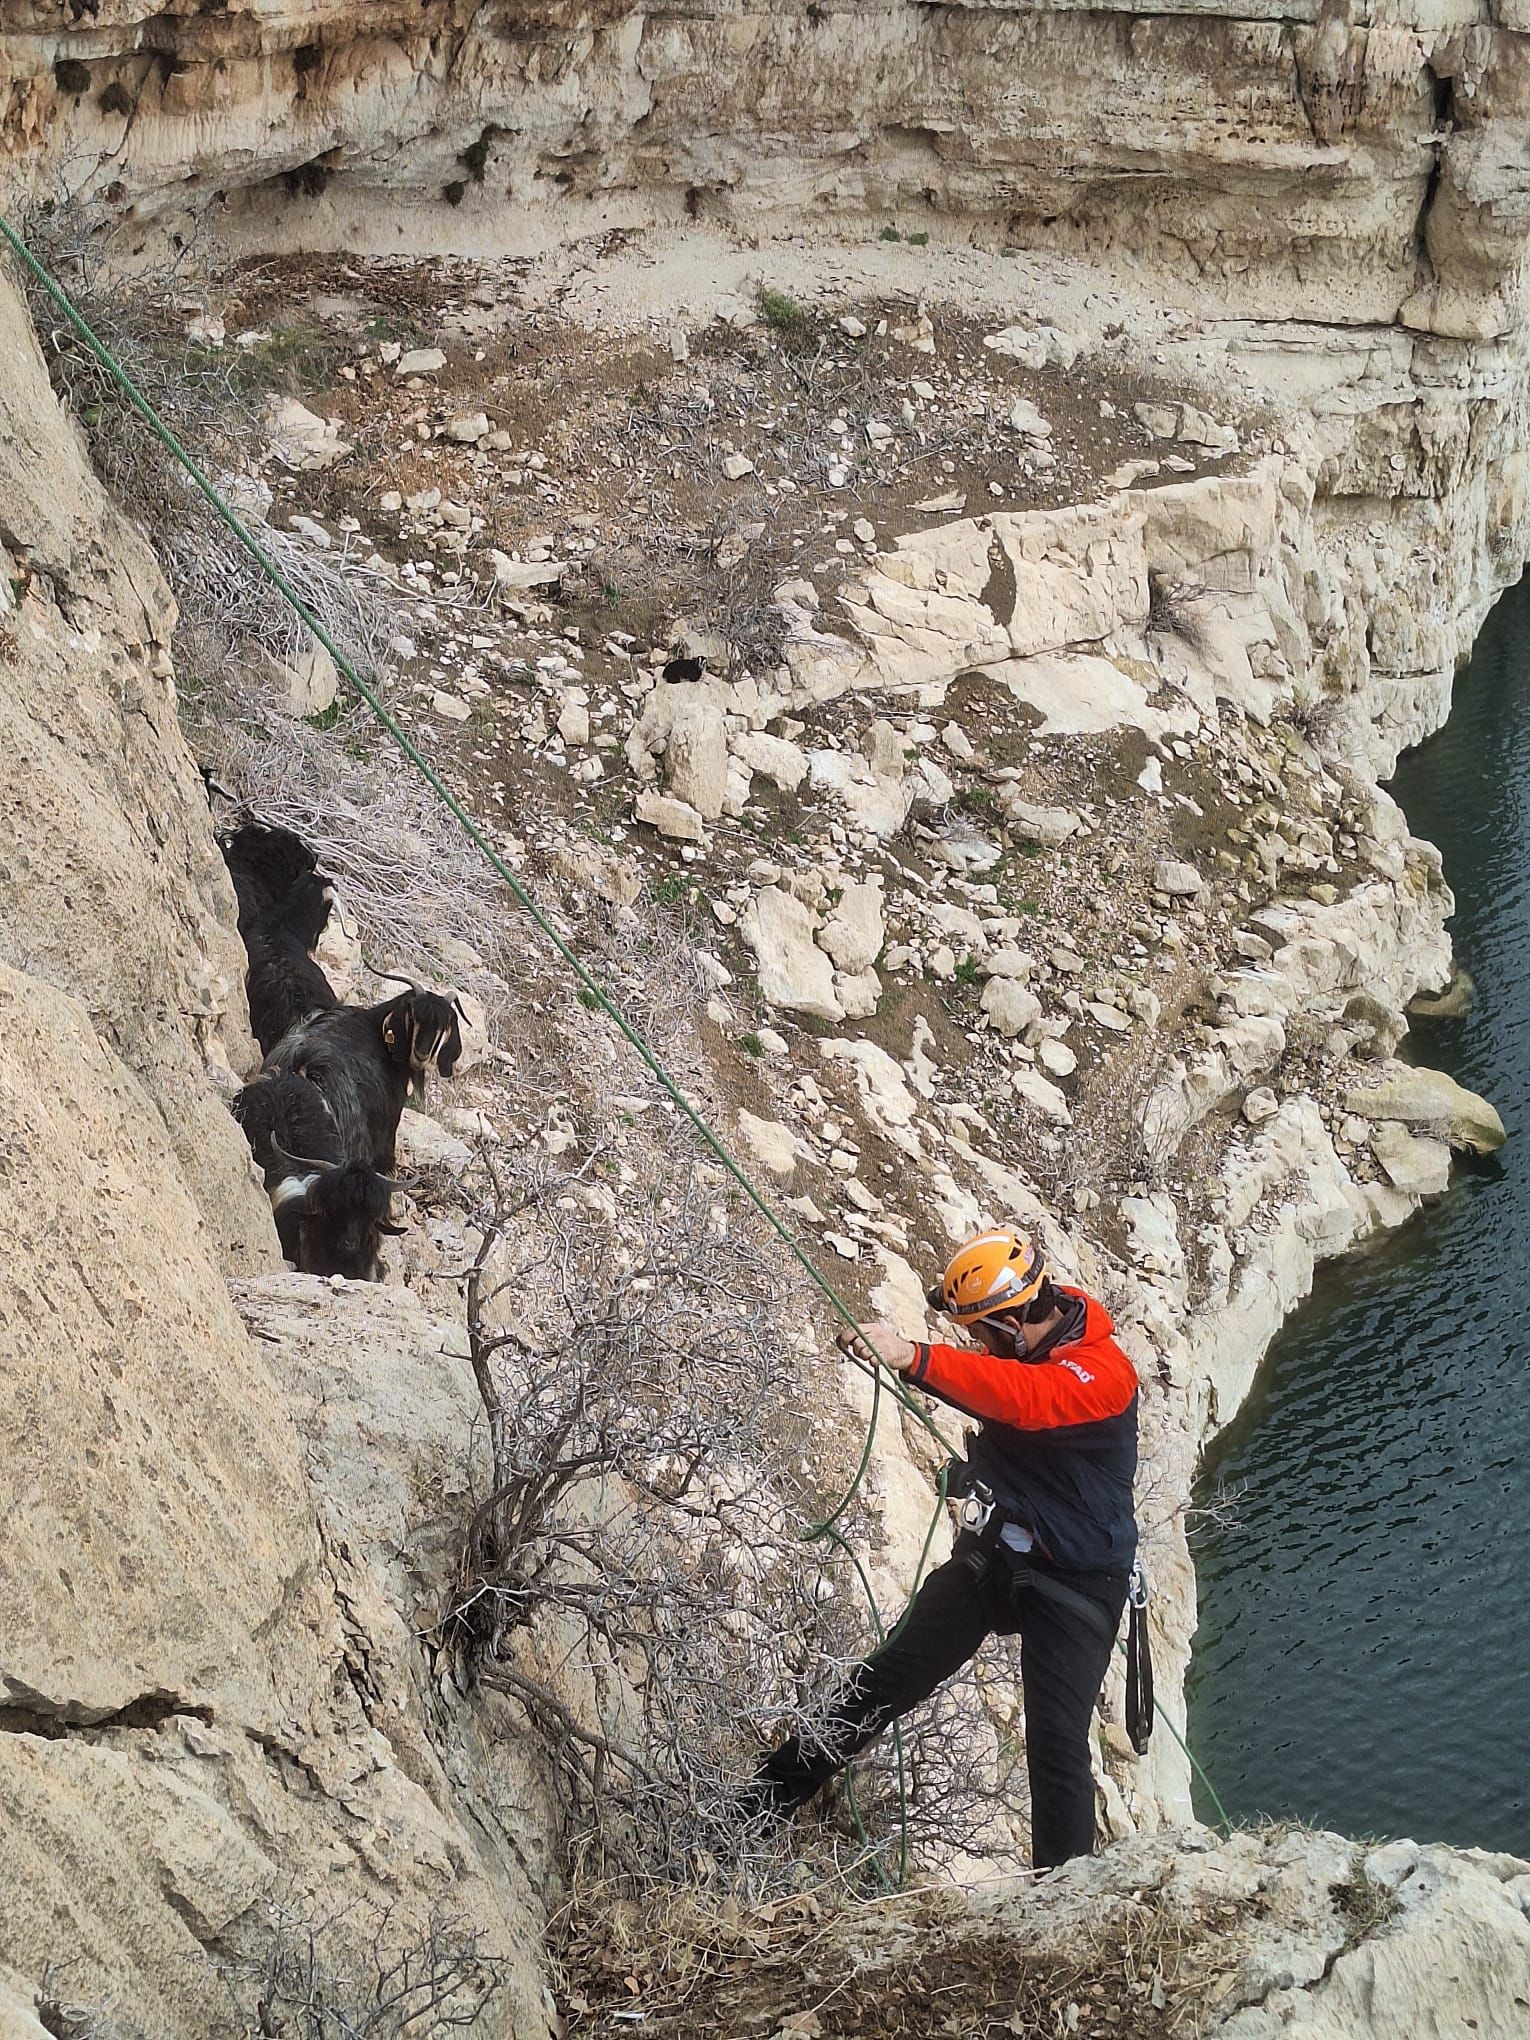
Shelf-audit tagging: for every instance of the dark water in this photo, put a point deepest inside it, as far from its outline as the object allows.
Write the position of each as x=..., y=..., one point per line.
x=1365, y=1622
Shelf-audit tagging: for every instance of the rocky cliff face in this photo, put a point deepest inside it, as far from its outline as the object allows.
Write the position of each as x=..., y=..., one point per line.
x=218, y=1729
x=214, y=1752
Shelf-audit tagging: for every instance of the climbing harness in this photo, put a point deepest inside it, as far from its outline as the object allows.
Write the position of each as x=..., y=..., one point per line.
x=596, y=996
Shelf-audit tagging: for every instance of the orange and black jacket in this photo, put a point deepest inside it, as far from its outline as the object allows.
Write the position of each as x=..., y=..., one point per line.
x=1058, y=1443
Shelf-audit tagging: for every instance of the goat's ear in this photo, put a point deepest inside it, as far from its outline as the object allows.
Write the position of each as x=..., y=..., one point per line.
x=390, y=1032
x=450, y=1050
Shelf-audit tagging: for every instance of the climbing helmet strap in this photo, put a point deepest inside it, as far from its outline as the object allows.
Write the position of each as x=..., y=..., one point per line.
x=1139, y=1663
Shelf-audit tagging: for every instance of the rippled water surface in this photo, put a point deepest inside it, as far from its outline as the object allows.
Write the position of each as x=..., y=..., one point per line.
x=1365, y=1620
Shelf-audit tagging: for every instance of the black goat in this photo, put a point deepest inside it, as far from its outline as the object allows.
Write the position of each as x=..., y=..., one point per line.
x=331, y=1214
x=368, y=1061
x=283, y=983
x=265, y=864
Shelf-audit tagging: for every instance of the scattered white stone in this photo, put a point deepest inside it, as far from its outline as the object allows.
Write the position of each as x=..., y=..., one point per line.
x=302, y=441
x=1260, y=1105
x=672, y=818
x=1010, y=1008
x=736, y=465
x=783, y=763
x=1057, y=1057
x=696, y=756
x=1049, y=826
x=855, y=327
x=420, y=361
x=1025, y=419
x=515, y=576
x=452, y=706
x=1179, y=881
x=1009, y=962
x=774, y=1144
x=1161, y=421
x=574, y=723
x=794, y=973
x=1109, y=1017
x=311, y=681
x=468, y=431
x=854, y=933
x=1036, y=1090
x=859, y=993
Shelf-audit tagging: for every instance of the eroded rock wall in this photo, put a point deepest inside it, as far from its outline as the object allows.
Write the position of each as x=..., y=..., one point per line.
x=1288, y=163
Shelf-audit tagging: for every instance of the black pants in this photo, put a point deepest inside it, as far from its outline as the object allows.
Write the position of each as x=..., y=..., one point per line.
x=1064, y=1652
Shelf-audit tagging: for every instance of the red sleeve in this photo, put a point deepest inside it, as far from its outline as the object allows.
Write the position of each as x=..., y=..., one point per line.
x=1042, y=1396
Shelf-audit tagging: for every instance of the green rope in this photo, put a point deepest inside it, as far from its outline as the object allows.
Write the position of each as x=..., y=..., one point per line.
x=813, y=1532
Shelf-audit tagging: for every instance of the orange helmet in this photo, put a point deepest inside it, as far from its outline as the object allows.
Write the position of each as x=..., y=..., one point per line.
x=993, y=1272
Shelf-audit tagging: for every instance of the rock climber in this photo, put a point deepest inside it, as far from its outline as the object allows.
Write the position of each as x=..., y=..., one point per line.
x=1047, y=1543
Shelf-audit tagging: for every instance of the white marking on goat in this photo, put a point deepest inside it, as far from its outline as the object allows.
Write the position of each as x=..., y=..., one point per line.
x=292, y=1190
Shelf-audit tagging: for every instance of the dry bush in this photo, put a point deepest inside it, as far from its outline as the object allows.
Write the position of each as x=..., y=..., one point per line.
x=364, y=1976
x=414, y=885
x=633, y=1575
x=230, y=613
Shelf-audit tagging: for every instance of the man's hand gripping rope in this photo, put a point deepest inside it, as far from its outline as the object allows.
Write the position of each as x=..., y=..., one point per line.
x=878, y=1345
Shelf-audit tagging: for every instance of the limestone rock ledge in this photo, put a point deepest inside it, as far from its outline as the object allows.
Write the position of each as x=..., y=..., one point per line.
x=1284, y=1935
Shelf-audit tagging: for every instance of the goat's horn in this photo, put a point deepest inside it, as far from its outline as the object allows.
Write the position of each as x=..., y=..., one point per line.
x=303, y=1161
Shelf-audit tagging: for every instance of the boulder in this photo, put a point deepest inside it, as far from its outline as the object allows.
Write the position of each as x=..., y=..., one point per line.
x=1177, y=879
x=1056, y=1057
x=854, y=933
x=516, y=577
x=1453, y=1003
x=1009, y=1007
x=696, y=757
x=302, y=441
x=1009, y=963
x=1260, y=1105
x=859, y=994
x=772, y=1143
x=1036, y=1090
x=1411, y=1162
x=783, y=763
x=672, y=818
x=1050, y=826
x=1429, y=1102
x=794, y=973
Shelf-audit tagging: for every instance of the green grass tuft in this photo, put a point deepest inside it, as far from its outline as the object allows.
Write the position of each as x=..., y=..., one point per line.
x=784, y=315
